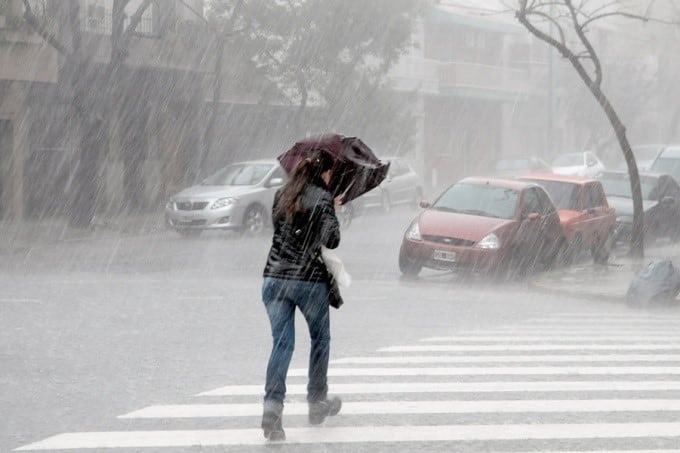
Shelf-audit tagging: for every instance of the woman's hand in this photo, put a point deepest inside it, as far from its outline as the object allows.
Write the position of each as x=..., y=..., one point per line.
x=337, y=202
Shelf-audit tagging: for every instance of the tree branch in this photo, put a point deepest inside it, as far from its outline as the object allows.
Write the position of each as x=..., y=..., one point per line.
x=586, y=43
x=42, y=30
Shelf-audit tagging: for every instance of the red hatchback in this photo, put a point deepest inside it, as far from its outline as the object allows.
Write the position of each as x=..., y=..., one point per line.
x=587, y=220
x=490, y=225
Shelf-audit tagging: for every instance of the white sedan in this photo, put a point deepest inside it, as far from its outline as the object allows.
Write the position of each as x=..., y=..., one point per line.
x=585, y=164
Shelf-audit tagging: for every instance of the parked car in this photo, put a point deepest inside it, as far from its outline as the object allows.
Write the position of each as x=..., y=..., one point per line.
x=644, y=156
x=513, y=166
x=587, y=219
x=585, y=164
x=238, y=197
x=660, y=204
x=499, y=226
x=402, y=186
x=667, y=161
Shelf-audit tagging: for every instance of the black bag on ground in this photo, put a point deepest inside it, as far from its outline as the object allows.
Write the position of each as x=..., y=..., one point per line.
x=658, y=282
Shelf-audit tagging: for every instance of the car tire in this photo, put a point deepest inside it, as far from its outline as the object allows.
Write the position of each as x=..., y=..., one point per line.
x=189, y=233
x=573, y=250
x=385, y=202
x=408, y=266
x=254, y=221
x=602, y=248
x=516, y=265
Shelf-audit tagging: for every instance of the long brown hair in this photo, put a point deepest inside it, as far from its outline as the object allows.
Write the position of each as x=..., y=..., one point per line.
x=308, y=170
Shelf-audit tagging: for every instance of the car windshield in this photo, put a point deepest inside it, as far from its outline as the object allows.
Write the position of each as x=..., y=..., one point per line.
x=238, y=175
x=485, y=201
x=565, y=195
x=667, y=165
x=619, y=186
x=645, y=152
x=568, y=160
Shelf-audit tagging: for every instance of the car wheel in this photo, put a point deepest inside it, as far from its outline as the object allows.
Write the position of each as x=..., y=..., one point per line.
x=417, y=198
x=516, y=264
x=385, y=202
x=602, y=248
x=254, y=221
x=573, y=250
x=189, y=233
x=407, y=265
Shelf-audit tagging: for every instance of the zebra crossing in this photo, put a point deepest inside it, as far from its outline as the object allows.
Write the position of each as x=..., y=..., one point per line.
x=568, y=382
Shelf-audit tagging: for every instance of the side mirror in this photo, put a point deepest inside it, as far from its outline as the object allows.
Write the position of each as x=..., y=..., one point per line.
x=275, y=182
x=424, y=204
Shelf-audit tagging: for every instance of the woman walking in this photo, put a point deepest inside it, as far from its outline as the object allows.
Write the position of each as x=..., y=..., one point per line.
x=295, y=277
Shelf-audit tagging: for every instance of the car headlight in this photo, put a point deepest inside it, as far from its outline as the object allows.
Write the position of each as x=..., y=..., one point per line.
x=413, y=232
x=489, y=242
x=223, y=202
x=170, y=205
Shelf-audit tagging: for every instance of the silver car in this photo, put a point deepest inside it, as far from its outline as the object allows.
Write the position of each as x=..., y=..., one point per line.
x=239, y=197
x=402, y=186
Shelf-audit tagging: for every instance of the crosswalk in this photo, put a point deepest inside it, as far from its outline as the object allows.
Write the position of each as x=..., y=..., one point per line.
x=565, y=383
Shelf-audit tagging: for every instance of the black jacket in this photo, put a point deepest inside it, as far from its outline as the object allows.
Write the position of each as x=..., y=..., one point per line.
x=296, y=246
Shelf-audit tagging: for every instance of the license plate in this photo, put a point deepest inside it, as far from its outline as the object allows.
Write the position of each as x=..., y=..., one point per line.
x=445, y=255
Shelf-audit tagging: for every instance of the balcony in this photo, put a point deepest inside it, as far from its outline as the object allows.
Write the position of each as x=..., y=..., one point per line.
x=437, y=77
x=24, y=55
x=460, y=75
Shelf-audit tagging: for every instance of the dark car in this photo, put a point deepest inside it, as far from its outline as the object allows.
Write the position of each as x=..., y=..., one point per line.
x=660, y=202
x=493, y=225
x=586, y=217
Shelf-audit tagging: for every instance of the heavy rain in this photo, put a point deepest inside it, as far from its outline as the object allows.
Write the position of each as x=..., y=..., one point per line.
x=507, y=185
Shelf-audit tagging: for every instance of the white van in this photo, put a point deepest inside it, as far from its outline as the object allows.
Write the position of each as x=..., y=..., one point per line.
x=668, y=161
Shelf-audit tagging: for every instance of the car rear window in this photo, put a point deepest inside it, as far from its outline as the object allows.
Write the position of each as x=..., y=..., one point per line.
x=564, y=195
x=619, y=186
x=485, y=201
x=667, y=165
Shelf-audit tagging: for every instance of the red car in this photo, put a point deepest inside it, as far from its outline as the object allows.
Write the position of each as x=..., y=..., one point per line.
x=499, y=226
x=587, y=220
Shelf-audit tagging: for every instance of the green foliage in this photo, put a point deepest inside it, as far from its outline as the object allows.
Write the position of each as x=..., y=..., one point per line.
x=332, y=55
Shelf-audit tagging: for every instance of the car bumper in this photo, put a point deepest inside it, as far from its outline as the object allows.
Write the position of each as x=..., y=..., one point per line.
x=229, y=218
x=438, y=256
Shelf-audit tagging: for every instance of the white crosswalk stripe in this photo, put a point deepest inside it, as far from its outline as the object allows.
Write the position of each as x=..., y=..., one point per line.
x=591, y=379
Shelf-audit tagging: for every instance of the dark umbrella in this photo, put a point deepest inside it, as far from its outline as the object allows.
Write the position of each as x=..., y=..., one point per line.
x=356, y=171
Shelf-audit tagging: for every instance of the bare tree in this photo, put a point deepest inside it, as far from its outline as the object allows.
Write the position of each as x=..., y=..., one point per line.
x=566, y=25
x=82, y=81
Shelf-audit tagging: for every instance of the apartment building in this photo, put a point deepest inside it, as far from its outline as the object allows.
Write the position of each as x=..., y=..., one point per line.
x=159, y=85
x=482, y=87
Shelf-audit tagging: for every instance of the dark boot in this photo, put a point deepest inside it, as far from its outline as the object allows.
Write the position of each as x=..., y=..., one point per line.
x=271, y=422
x=319, y=410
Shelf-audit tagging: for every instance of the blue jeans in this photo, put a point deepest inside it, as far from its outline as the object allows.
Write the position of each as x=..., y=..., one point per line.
x=280, y=297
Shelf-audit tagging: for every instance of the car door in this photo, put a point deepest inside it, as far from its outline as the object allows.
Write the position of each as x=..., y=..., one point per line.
x=598, y=218
x=530, y=235
x=669, y=214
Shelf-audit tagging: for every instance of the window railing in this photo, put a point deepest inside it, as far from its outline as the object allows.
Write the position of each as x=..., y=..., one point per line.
x=95, y=20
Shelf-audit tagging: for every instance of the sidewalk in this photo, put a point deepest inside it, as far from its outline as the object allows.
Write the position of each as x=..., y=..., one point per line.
x=23, y=235
x=609, y=282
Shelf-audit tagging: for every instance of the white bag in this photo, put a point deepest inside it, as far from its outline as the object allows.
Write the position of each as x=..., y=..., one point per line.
x=335, y=267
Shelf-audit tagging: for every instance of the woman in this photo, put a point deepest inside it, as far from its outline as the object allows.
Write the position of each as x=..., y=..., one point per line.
x=295, y=276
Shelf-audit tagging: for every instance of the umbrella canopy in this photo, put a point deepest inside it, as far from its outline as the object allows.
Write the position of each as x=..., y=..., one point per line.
x=356, y=170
